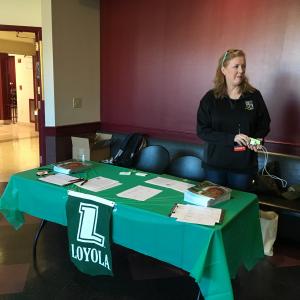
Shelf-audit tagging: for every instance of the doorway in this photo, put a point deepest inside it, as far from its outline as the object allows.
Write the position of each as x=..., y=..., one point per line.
x=17, y=89
x=31, y=110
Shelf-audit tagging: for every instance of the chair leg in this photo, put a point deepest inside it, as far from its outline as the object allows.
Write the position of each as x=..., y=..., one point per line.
x=42, y=224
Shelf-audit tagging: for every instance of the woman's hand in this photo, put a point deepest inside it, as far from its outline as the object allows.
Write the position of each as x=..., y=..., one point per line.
x=242, y=139
x=254, y=147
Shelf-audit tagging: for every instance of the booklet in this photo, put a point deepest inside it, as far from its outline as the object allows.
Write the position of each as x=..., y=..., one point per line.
x=71, y=166
x=207, y=193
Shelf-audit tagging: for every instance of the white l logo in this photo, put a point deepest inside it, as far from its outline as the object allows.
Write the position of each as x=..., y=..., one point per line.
x=87, y=225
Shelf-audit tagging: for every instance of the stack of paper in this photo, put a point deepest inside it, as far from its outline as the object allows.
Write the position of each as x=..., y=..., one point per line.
x=72, y=166
x=197, y=214
x=207, y=193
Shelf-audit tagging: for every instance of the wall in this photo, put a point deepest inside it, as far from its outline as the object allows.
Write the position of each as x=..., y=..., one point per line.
x=71, y=48
x=24, y=86
x=158, y=58
x=20, y=12
x=70, y=55
x=71, y=69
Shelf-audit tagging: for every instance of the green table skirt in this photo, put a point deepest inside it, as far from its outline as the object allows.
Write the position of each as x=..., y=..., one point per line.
x=212, y=255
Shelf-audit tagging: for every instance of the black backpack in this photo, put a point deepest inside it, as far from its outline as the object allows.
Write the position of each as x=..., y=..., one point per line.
x=128, y=150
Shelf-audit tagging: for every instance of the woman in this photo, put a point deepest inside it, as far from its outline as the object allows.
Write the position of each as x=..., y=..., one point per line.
x=228, y=116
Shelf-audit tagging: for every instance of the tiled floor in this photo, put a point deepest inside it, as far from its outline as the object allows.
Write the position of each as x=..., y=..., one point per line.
x=17, y=131
x=19, y=149
x=136, y=277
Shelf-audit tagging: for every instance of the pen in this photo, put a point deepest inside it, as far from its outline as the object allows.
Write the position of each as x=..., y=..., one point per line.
x=73, y=181
x=173, y=209
x=84, y=181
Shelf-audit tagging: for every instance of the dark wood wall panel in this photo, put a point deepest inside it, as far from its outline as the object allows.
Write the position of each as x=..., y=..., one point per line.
x=159, y=57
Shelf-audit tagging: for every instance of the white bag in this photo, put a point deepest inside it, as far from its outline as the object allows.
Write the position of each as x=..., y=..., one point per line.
x=269, y=224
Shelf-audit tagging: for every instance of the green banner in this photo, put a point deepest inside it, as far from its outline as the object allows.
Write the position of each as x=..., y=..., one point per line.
x=89, y=220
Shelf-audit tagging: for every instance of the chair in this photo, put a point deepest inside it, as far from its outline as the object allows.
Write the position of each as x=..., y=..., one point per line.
x=153, y=159
x=188, y=166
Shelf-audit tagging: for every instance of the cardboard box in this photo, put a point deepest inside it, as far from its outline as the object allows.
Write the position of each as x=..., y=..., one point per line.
x=95, y=147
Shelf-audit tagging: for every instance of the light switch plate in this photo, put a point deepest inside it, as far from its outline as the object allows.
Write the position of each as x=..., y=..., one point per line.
x=77, y=102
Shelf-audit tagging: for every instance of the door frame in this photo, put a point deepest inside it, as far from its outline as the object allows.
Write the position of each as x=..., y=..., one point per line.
x=37, y=82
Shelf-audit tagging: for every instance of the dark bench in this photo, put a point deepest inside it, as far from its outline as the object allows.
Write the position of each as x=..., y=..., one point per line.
x=288, y=210
x=175, y=148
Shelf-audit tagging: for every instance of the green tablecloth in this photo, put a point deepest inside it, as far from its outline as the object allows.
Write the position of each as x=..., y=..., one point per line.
x=212, y=255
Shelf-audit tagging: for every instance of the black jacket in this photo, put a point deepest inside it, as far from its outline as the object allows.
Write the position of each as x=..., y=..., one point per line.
x=219, y=120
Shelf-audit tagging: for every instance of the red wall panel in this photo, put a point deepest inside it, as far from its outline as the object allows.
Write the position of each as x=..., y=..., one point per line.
x=159, y=57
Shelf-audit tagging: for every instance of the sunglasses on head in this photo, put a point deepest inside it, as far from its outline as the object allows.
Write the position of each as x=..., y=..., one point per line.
x=231, y=51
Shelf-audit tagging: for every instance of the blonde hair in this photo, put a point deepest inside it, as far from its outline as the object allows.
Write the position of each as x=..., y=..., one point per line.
x=220, y=86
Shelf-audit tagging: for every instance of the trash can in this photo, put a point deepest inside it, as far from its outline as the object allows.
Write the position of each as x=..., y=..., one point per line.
x=269, y=225
x=95, y=146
